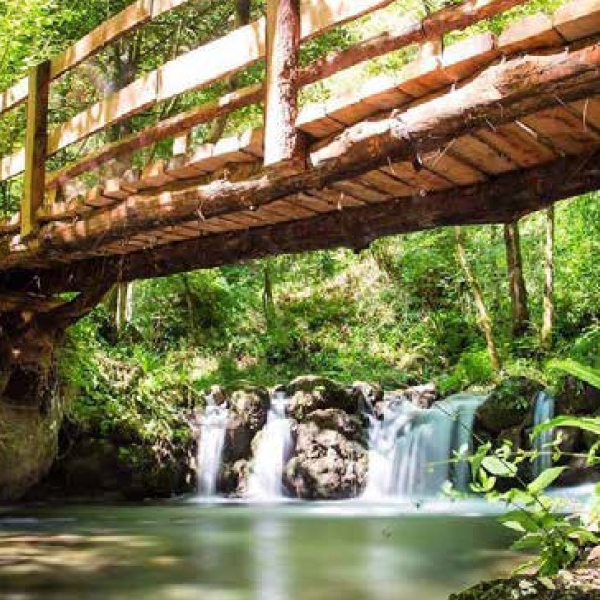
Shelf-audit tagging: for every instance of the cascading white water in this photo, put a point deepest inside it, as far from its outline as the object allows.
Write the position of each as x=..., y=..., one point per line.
x=410, y=449
x=463, y=408
x=543, y=411
x=273, y=451
x=213, y=426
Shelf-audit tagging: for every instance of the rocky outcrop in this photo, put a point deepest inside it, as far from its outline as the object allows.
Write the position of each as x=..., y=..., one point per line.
x=576, y=397
x=248, y=411
x=580, y=583
x=509, y=405
x=310, y=393
x=118, y=465
x=31, y=409
x=330, y=460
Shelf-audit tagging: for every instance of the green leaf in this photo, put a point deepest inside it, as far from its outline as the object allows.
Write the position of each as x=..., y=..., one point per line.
x=545, y=479
x=498, y=467
x=591, y=424
x=583, y=372
x=519, y=520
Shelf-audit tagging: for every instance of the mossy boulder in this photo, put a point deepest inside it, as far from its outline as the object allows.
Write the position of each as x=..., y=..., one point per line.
x=310, y=393
x=509, y=405
x=575, y=397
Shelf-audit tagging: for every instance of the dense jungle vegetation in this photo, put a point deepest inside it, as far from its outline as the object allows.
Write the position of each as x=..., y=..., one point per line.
x=459, y=307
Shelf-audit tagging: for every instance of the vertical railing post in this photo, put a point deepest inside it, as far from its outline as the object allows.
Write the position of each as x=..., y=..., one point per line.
x=283, y=142
x=36, y=142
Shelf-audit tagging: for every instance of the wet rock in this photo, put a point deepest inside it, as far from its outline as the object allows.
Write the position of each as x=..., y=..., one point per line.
x=509, y=405
x=422, y=396
x=242, y=471
x=579, y=473
x=569, y=439
x=329, y=462
x=238, y=439
x=579, y=583
x=514, y=436
x=368, y=396
x=218, y=394
x=251, y=404
x=309, y=393
x=349, y=426
x=576, y=397
x=248, y=410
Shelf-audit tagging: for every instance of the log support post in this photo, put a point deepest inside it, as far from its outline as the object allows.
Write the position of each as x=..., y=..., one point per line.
x=283, y=142
x=36, y=142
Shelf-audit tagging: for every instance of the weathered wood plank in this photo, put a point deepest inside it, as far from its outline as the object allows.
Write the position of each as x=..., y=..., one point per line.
x=135, y=15
x=14, y=96
x=529, y=33
x=495, y=98
x=36, y=141
x=163, y=130
x=578, y=19
x=135, y=97
x=470, y=12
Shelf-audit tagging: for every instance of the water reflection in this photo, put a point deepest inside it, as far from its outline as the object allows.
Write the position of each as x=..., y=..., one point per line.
x=186, y=552
x=271, y=561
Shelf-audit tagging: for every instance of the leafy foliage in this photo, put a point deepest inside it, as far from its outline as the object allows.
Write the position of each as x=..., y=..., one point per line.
x=556, y=540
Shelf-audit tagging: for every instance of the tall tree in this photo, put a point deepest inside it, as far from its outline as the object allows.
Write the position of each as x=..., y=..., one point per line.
x=485, y=323
x=548, y=313
x=516, y=279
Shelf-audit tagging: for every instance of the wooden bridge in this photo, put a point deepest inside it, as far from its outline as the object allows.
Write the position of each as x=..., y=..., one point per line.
x=482, y=130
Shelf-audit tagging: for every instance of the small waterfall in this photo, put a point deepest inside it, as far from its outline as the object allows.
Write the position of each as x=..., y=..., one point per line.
x=272, y=453
x=410, y=448
x=463, y=408
x=213, y=426
x=543, y=412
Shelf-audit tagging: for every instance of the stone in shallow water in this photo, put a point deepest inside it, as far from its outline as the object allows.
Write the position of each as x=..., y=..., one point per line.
x=330, y=460
x=309, y=393
x=509, y=405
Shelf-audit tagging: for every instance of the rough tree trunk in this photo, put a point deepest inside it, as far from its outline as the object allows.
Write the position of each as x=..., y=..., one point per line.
x=484, y=320
x=516, y=280
x=267, y=295
x=124, y=306
x=548, y=314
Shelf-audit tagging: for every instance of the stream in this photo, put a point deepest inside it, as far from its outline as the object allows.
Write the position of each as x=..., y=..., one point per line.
x=229, y=551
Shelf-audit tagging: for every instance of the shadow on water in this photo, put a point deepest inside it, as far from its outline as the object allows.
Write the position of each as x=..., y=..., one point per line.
x=181, y=552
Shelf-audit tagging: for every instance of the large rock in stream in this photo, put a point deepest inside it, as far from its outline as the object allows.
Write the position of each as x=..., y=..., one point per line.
x=310, y=393
x=330, y=460
x=509, y=405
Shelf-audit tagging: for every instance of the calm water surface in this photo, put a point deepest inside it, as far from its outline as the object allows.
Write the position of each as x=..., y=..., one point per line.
x=187, y=551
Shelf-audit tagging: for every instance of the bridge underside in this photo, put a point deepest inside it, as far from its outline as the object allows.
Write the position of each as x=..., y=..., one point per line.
x=470, y=139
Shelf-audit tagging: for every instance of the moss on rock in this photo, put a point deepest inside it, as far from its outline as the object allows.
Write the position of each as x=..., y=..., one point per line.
x=509, y=405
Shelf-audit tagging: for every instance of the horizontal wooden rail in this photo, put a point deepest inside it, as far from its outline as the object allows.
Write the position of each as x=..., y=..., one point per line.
x=220, y=58
x=15, y=95
x=440, y=22
x=135, y=15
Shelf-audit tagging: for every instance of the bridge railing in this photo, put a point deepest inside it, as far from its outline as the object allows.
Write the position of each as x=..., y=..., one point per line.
x=276, y=38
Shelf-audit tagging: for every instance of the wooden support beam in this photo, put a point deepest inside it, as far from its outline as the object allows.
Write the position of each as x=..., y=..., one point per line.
x=502, y=94
x=282, y=139
x=35, y=147
x=507, y=197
